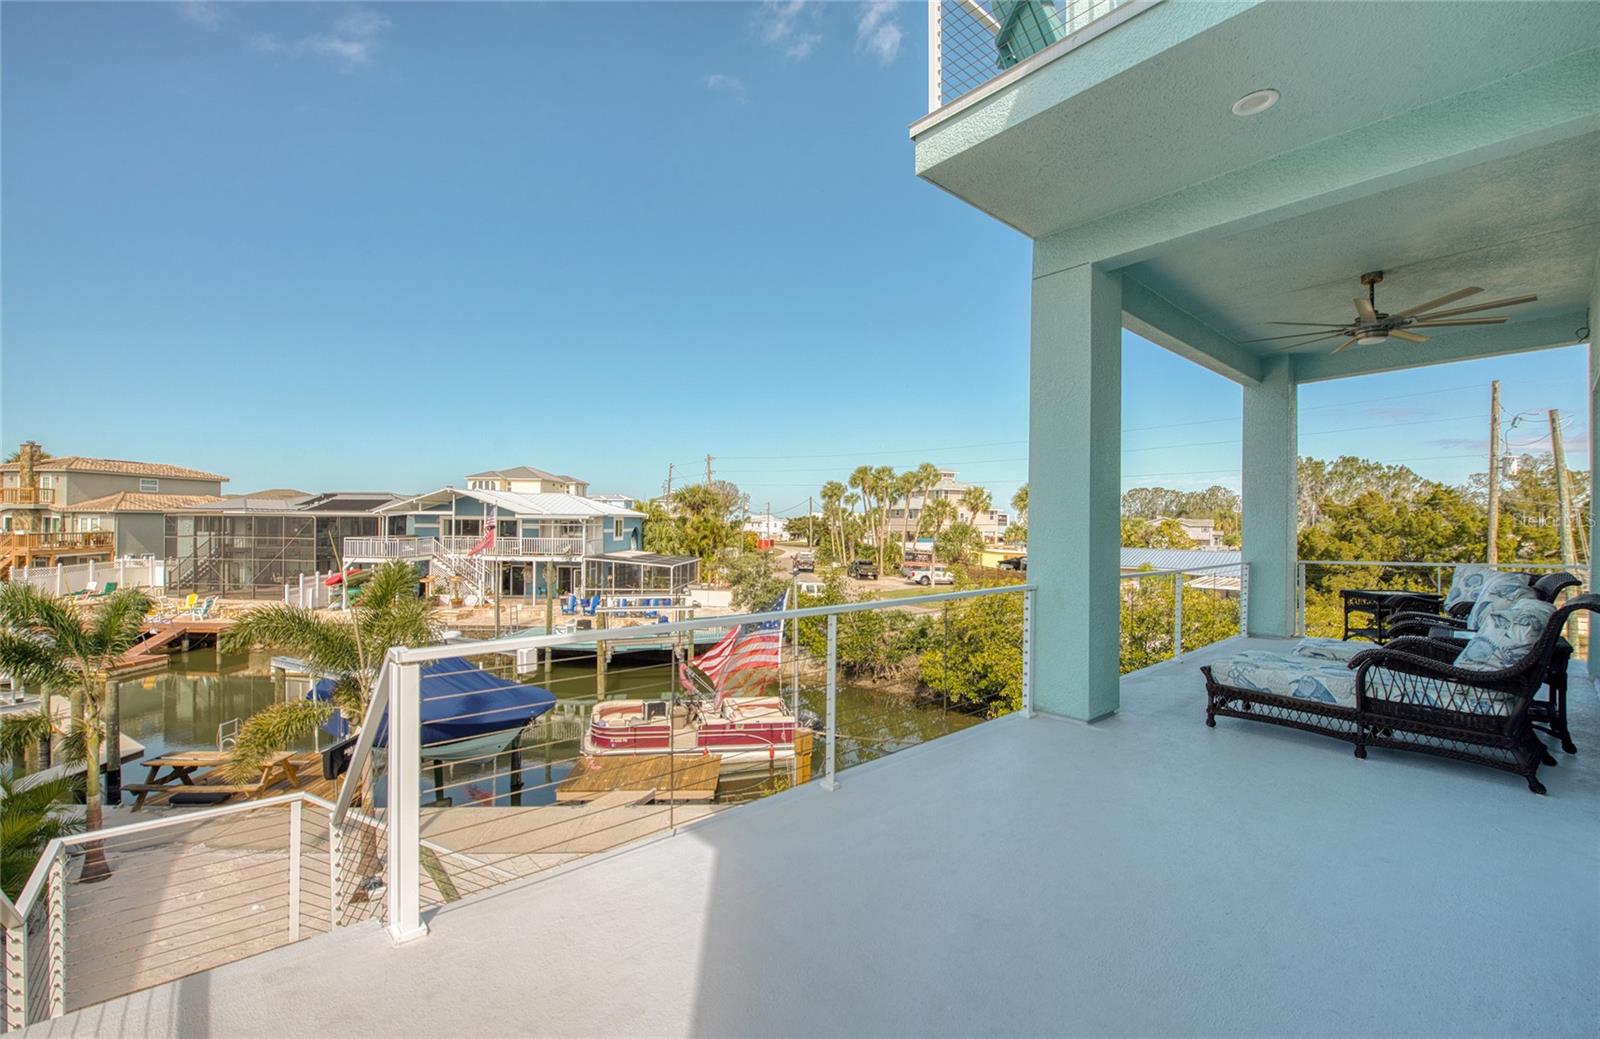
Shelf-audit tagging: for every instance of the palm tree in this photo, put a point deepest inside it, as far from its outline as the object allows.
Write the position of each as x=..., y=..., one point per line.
x=935, y=514
x=31, y=816
x=47, y=640
x=975, y=500
x=1019, y=501
x=349, y=649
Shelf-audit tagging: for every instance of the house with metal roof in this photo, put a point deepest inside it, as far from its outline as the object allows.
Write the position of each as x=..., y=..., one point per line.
x=525, y=479
x=477, y=538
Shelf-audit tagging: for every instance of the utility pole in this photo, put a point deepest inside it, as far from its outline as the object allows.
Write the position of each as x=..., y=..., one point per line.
x=669, y=481
x=1569, y=552
x=811, y=525
x=1494, y=472
x=708, y=472
x=768, y=522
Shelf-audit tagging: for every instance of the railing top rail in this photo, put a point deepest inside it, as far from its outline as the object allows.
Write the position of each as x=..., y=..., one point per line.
x=10, y=916
x=1504, y=565
x=1184, y=570
x=423, y=654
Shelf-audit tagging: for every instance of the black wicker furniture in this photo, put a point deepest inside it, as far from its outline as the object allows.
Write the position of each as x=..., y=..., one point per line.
x=1368, y=612
x=1410, y=695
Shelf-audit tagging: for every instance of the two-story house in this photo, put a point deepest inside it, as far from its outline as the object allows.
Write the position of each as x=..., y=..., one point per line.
x=525, y=479
x=73, y=509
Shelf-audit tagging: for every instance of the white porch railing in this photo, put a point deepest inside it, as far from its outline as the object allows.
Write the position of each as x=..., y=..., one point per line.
x=975, y=43
x=421, y=873
x=362, y=549
x=1222, y=589
x=180, y=895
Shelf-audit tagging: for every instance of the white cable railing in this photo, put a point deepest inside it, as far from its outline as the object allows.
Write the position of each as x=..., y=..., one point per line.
x=973, y=44
x=1167, y=613
x=465, y=840
x=113, y=911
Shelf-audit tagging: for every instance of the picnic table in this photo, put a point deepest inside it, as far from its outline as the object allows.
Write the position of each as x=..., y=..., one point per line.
x=180, y=768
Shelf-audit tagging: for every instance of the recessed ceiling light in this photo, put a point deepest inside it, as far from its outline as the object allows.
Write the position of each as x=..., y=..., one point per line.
x=1255, y=102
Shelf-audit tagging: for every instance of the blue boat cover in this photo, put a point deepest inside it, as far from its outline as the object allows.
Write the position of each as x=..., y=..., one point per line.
x=459, y=701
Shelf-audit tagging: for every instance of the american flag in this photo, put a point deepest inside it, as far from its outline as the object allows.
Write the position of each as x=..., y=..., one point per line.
x=747, y=656
x=487, y=541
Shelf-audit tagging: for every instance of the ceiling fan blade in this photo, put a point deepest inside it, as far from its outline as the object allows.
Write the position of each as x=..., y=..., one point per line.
x=1308, y=342
x=1347, y=344
x=1410, y=337
x=1311, y=324
x=1325, y=332
x=1364, y=308
x=1513, y=301
x=1441, y=301
x=1430, y=323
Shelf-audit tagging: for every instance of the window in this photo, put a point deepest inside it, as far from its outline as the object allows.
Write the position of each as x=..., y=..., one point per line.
x=147, y=485
x=616, y=527
x=90, y=523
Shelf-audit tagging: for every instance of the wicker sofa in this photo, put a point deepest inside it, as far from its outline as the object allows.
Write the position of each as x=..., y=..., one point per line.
x=1411, y=694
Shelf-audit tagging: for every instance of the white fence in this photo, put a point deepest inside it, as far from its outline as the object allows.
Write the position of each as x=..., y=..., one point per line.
x=312, y=591
x=127, y=572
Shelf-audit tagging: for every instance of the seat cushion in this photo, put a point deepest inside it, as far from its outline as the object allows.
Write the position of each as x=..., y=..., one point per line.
x=1498, y=592
x=1505, y=634
x=1466, y=582
x=1340, y=650
x=1303, y=678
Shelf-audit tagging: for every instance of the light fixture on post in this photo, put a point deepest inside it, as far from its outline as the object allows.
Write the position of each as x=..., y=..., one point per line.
x=1255, y=102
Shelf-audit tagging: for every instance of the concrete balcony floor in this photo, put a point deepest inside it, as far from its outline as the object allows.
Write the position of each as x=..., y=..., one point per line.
x=1145, y=875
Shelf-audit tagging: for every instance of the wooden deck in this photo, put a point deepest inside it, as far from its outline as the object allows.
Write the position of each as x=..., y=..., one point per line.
x=655, y=777
x=153, y=651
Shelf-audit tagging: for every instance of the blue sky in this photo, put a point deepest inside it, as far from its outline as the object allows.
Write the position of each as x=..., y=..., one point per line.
x=381, y=246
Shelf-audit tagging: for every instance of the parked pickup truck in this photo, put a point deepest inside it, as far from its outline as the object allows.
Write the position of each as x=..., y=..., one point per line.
x=938, y=575
x=805, y=563
x=863, y=570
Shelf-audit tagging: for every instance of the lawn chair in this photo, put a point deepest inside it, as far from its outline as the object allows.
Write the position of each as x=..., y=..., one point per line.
x=569, y=605
x=87, y=591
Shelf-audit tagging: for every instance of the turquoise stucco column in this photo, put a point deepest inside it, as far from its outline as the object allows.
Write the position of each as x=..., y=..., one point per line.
x=1074, y=480
x=1269, y=475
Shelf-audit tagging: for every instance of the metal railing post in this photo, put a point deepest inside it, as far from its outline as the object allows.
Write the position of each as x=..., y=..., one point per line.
x=405, y=804
x=294, y=871
x=335, y=853
x=14, y=999
x=1177, y=615
x=1244, y=598
x=1300, y=596
x=57, y=959
x=935, y=54
x=1027, y=653
x=829, y=782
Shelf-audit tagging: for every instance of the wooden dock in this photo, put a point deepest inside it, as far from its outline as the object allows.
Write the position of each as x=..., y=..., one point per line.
x=155, y=650
x=647, y=777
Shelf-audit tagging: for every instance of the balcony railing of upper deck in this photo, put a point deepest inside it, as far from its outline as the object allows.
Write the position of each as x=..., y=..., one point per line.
x=972, y=43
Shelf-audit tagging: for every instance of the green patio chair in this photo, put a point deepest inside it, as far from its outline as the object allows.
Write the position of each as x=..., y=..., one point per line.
x=1026, y=28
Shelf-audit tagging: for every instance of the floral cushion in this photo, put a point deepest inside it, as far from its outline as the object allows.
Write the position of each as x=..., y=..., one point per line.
x=1303, y=678
x=1466, y=583
x=1505, y=634
x=1340, y=650
x=1498, y=592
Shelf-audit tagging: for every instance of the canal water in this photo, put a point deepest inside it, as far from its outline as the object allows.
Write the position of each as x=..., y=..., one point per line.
x=183, y=707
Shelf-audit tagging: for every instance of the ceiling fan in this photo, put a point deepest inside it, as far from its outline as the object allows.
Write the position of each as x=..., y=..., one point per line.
x=1373, y=326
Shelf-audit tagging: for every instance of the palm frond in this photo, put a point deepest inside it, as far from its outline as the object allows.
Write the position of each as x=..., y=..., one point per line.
x=21, y=732
x=329, y=646
x=32, y=814
x=24, y=608
x=34, y=659
x=270, y=730
x=119, y=621
x=394, y=581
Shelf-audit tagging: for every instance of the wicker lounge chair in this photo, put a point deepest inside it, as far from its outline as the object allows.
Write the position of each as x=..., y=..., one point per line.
x=1428, y=695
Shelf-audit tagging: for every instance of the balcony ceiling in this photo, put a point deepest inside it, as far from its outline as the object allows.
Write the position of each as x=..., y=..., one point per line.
x=1446, y=144
x=1526, y=224
x=1144, y=110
